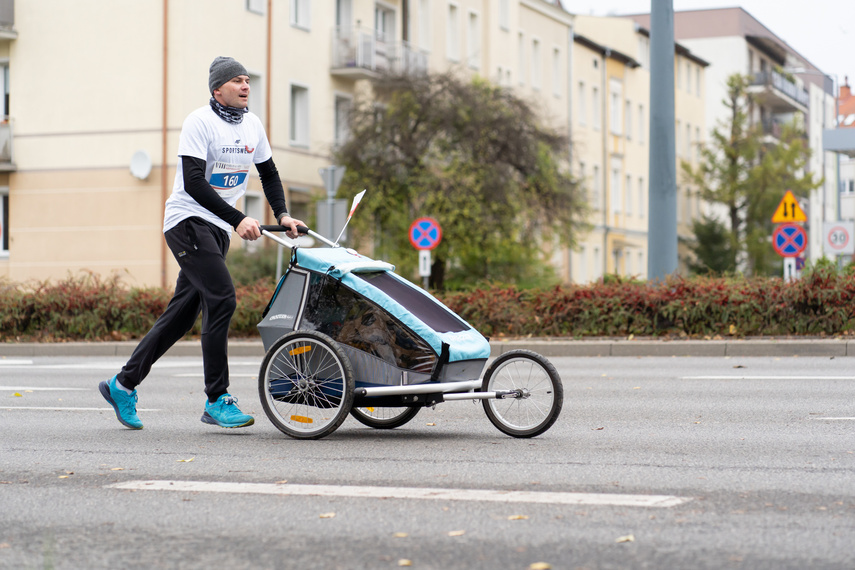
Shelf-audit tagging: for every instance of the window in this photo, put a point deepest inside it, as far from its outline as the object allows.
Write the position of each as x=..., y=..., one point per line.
x=616, y=193
x=595, y=188
x=583, y=107
x=253, y=206
x=642, y=199
x=556, y=72
x=256, y=96
x=582, y=181
x=641, y=132
x=582, y=266
x=697, y=144
x=4, y=222
x=678, y=148
x=595, y=108
x=616, y=107
x=598, y=264
x=644, y=51
x=535, y=64
x=299, y=116
x=688, y=141
x=628, y=194
x=256, y=6
x=343, y=14
x=384, y=24
x=424, y=24
x=452, y=34
x=521, y=48
x=627, y=119
x=342, y=114
x=504, y=14
x=473, y=41
x=698, y=82
x=679, y=67
x=300, y=15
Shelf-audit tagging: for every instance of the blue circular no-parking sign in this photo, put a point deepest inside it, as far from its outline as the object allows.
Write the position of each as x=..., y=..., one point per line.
x=425, y=233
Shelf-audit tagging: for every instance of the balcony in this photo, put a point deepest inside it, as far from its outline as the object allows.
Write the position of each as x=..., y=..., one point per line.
x=775, y=91
x=362, y=53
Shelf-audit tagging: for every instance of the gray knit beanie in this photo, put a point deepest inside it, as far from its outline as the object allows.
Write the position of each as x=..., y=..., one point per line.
x=223, y=69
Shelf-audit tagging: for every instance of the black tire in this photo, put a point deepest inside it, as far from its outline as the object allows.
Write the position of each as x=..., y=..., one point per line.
x=306, y=385
x=384, y=418
x=536, y=376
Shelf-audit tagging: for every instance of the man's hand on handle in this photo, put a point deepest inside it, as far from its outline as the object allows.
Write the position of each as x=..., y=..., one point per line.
x=292, y=223
x=249, y=229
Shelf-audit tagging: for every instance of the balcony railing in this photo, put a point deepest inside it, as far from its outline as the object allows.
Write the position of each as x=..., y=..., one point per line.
x=363, y=53
x=773, y=79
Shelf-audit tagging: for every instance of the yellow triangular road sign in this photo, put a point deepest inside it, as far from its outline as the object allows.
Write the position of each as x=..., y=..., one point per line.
x=789, y=210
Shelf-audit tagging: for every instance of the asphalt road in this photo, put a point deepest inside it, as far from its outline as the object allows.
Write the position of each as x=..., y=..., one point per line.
x=655, y=463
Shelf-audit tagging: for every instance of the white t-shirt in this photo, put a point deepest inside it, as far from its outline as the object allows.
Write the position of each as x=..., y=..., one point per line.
x=229, y=150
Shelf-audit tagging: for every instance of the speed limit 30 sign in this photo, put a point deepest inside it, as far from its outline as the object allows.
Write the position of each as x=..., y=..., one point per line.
x=838, y=238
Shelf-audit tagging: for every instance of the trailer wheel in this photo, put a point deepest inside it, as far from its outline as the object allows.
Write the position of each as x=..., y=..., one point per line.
x=306, y=385
x=541, y=394
x=384, y=418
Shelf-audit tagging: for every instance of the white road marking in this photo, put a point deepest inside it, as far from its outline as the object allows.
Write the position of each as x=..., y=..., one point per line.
x=13, y=362
x=768, y=377
x=845, y=419
x=494, y=496
x=202, y=375
x=40, y=389
x=61, y=409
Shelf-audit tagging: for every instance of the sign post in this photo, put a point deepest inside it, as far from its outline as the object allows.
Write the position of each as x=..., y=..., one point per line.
x=425, y=235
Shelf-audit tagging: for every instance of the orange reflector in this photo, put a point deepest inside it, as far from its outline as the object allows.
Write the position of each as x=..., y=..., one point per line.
x=300, y=350
x=301, y=419
x=370, y=410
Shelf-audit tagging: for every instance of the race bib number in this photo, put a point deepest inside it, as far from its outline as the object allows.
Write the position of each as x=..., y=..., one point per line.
x=228, y=178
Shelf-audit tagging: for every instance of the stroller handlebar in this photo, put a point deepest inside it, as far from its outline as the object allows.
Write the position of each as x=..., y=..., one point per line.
x=300, y=229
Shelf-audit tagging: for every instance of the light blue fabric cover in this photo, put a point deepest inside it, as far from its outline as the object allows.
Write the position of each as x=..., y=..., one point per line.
x=341, y=263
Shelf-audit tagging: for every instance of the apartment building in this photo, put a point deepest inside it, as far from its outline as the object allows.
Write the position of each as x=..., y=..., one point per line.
x=844, y=141
x=785, y=85
x=95, y=95
x=611, y=93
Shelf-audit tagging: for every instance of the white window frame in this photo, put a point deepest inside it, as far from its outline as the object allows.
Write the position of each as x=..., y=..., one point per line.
x=452, y=33
x=641, y=132
x=627, y=206
x=616, y=107
x=536, y=67
x=4, y=222
x=301, y=14
x=616, y=191
x=341, y=130
x=256, y=95
x=642, y=199
x=582, y=104
x=505, y=15
x=256, y=6
x=253, y=207
x=595, y=187
x=299, y=117
x=556, y=71
x=521, y=59
x=473, y=39
x=425, y=25
x=595, y=107
x=627, y=119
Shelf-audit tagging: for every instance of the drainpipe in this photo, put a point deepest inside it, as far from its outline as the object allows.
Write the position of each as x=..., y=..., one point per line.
x=164, y=180
x=570, y=35
x=269, y=70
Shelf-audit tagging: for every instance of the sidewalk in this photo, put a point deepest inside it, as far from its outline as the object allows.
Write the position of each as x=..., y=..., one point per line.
x=546, y=347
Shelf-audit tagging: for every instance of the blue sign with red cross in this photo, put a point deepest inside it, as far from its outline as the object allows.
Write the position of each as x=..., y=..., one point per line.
x=425, y=233
x=789, y=240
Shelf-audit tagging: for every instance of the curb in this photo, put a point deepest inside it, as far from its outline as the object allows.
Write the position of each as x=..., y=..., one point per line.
x=546, y=347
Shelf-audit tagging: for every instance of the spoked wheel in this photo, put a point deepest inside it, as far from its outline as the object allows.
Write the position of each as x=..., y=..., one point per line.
x=539, y=394
x=384, y=418
x=306, y=385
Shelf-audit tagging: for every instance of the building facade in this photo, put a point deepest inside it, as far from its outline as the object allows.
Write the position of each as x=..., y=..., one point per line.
x=88, y=148
x=786, y=88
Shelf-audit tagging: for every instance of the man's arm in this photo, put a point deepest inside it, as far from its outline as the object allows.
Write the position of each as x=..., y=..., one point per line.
x=200, y=190
x=275, y=193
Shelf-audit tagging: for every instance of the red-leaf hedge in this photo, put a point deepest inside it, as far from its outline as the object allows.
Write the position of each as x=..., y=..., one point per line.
x=821, y=303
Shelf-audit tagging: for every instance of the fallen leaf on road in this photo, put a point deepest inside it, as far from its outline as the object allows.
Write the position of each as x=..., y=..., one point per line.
x=518, y=518
x=282, y=482
x=400, y=535
x=185, y=460
x=117, y=469
x=627, y=538
x=5, y=545
x=457, y=533
x=63, y=476
x=430, y=424
x=540, y=566
x=599, y=428
x=327, y=515
x=405, y=562
x=17, y=395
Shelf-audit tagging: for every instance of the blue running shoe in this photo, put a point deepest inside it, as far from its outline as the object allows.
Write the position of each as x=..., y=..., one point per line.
x=125, y=404
x=225, y=413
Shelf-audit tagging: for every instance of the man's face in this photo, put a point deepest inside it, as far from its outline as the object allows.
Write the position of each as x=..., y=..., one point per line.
x=234, y=93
